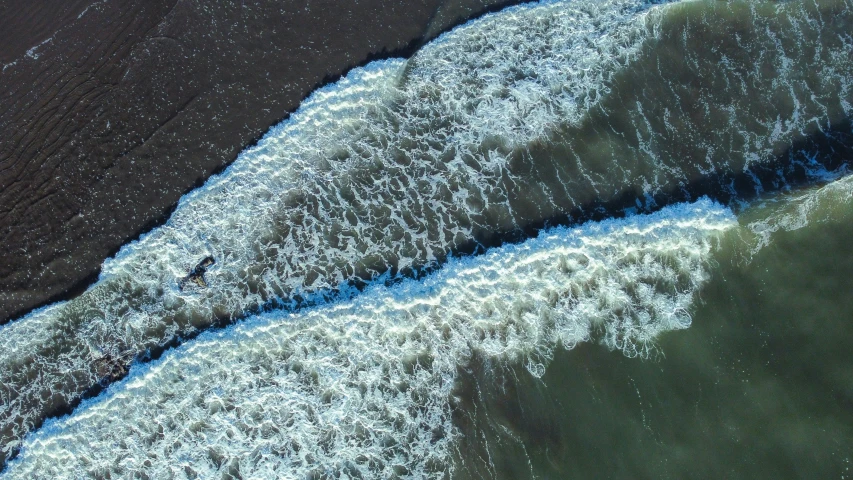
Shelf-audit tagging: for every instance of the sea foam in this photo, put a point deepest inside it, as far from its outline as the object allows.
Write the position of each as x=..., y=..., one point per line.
x=832, y=202
x=365, y=388
x=546, y=113
x=385, y=172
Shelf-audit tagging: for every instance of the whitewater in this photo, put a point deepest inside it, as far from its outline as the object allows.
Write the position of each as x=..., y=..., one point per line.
x=402, y=221
x=365, y=388
x=385, y=172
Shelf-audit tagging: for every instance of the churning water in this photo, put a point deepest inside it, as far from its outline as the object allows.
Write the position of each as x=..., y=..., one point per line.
x=553, y=174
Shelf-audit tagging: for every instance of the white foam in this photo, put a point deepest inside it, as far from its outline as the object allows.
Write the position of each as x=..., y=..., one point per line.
x=366, y=387
x=390, y=168
x=799, y=209
x=34, y=51
x=398, y=164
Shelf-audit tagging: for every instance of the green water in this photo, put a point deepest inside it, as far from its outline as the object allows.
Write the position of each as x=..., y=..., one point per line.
x=408, y=162
x=760, y=386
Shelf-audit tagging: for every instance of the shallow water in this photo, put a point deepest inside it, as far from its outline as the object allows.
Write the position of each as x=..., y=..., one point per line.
x=758, y=387
x=404, y=307
x=364, y=387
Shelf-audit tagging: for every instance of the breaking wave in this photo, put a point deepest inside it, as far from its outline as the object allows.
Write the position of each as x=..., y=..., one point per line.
x=364, y=389
x=550, y=113
x=387, y=171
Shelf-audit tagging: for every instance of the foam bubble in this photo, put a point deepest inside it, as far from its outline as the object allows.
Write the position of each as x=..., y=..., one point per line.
x=365, y=388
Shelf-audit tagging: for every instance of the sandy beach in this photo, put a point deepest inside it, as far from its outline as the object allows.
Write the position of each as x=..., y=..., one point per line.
x=111, y=110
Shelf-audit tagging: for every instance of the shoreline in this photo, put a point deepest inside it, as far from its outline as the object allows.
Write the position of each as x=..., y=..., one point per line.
x=113, y=165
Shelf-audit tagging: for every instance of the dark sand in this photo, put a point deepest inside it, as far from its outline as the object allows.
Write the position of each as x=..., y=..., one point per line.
x=133, y=103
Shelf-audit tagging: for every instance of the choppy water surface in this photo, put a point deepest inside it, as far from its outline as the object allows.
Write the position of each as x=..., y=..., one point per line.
x=560, y=113
x=759, y=386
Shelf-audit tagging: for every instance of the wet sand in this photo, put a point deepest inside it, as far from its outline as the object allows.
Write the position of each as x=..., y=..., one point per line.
x=111, y=110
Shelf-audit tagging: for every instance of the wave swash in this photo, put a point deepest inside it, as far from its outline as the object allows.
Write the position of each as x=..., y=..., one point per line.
x=364, y=389
x=557, y=112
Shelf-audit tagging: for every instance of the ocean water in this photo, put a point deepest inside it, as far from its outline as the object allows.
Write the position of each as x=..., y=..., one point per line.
x=757, y=387
x=365, y=388
x=486, y=261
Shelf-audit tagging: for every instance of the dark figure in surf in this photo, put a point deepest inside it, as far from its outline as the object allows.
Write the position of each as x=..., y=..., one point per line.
x=112, y=367
x=196, y=275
